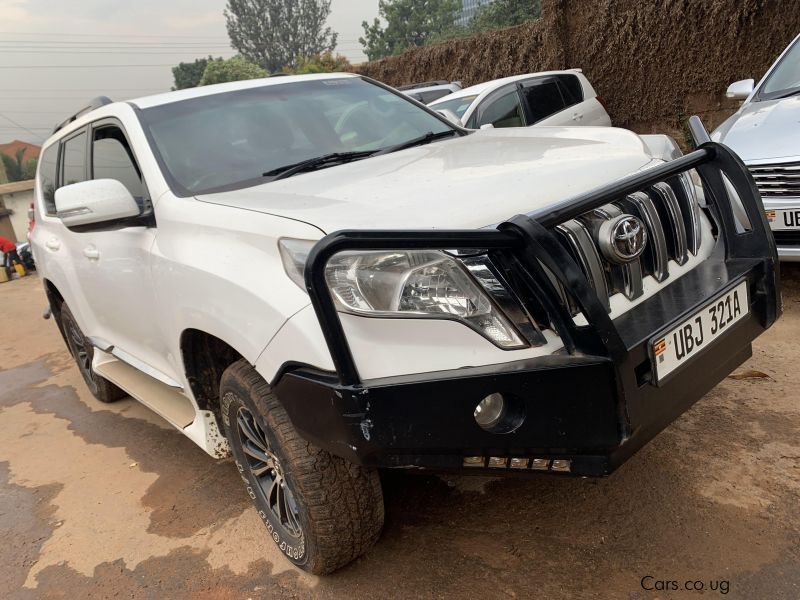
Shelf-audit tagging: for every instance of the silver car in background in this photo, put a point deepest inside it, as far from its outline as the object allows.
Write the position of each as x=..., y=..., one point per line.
x=765, y=133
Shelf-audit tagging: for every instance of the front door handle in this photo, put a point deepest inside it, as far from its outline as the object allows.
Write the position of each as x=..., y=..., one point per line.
x=53, y=244
x=91, y=253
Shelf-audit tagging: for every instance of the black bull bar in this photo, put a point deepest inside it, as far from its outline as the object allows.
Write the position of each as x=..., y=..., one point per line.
x=598, y=408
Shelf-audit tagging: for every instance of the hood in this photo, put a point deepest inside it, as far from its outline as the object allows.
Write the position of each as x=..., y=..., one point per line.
x=468, y=182
x=767, y=129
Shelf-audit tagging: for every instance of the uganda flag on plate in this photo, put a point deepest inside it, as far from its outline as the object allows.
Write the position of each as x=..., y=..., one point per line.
x=658, y=349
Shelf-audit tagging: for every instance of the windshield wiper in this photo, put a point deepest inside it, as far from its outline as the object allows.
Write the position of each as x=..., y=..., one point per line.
x=423, y=139
x=794, y=92
x=314, y=163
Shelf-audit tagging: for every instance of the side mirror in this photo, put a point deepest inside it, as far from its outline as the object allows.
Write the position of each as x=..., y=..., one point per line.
x=95, y=201
x=450, y=116
x=487, y=126
x=740, y=90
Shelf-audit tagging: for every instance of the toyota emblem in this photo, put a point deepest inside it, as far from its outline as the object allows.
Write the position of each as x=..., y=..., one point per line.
x=622, y=239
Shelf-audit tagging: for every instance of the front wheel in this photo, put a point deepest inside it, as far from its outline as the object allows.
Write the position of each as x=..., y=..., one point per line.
x=320, y=510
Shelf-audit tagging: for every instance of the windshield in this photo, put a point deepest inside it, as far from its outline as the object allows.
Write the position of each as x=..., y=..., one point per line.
x=458, y=105
x=785, y=78
x=230, y=140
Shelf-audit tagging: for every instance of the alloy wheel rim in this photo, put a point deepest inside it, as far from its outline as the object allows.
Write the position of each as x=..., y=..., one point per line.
x=266, y=469
x=81, y=353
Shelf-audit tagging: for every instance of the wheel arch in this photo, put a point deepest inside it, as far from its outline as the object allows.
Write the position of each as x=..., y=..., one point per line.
x=205, y=358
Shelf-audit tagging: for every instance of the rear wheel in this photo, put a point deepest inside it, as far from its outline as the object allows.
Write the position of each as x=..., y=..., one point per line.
x=320, y=510
x=83, y=353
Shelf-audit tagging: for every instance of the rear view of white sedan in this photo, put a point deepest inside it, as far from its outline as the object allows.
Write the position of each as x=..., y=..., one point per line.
x=547, y=98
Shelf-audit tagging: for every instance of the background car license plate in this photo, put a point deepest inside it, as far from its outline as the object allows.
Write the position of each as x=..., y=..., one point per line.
x=699, y=331
x=783, y=219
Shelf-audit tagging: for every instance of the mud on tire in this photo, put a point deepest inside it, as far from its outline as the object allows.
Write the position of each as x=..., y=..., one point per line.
x=82, y=351
x=331, y=511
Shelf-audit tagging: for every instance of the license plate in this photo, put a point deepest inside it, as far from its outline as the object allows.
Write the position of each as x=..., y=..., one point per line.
x=680, y=345
x=783, y=219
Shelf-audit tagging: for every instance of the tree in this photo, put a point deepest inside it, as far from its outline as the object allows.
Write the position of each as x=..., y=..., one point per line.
x=188, y=75
x=237, y=68
x=275, y=33
x=16, y=168
x=505, y=13
x=321, y=63
x=409, y=23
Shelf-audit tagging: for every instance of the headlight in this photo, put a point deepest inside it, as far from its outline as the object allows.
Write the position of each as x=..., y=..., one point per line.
x=415, y=283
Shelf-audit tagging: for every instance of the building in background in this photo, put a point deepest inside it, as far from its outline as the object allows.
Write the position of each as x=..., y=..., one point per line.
x=468, y=8
x=29, y=150
x=15, y=200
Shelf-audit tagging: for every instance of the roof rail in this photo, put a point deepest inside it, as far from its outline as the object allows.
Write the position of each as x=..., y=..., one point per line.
x=93, y=104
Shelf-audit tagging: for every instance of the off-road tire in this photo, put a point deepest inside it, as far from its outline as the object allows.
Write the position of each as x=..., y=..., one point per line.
x=339, y=505
x=82, y=351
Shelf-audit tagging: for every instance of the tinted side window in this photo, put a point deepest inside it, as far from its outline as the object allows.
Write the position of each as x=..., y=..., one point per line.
x=542, y=98
x=47, y=178
x=571, y=89
x=73, y=160
x=112, y=158
x=506, y=111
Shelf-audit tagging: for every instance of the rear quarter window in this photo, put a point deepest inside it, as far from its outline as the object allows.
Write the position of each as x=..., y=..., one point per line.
x=571, y=89
x=47, y=178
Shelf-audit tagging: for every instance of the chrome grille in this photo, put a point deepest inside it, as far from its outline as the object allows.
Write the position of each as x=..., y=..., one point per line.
x=669, y=211
x=780, y=180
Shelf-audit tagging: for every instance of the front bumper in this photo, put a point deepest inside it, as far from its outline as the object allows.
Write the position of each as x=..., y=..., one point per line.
x=586, y=410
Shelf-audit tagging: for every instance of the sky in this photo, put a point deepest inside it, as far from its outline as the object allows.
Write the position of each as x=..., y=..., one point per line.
x=57, y=54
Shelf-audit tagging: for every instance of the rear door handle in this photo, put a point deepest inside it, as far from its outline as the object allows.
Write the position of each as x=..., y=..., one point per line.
x=91, y=253
x=577, y=116
x=53, y=244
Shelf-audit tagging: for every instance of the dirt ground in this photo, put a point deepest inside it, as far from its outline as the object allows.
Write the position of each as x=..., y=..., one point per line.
x=108, y=501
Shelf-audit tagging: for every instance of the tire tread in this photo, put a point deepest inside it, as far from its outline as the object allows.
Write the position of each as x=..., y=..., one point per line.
x=344, y=501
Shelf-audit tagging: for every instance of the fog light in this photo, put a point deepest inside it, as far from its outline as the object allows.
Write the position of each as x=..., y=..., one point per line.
x=520, y=463
x=474, y=461
x=541, y=464
x=498, y=462
x=490, y=411
x=562, y=465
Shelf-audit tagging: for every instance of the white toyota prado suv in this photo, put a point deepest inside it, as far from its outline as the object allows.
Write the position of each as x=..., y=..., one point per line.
x=322, y=278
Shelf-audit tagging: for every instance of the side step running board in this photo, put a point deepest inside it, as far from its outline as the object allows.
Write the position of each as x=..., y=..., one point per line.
x=159, y=397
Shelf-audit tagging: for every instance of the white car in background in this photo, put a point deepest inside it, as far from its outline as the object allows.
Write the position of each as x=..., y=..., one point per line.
x=765, y=133
x=547, y=98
